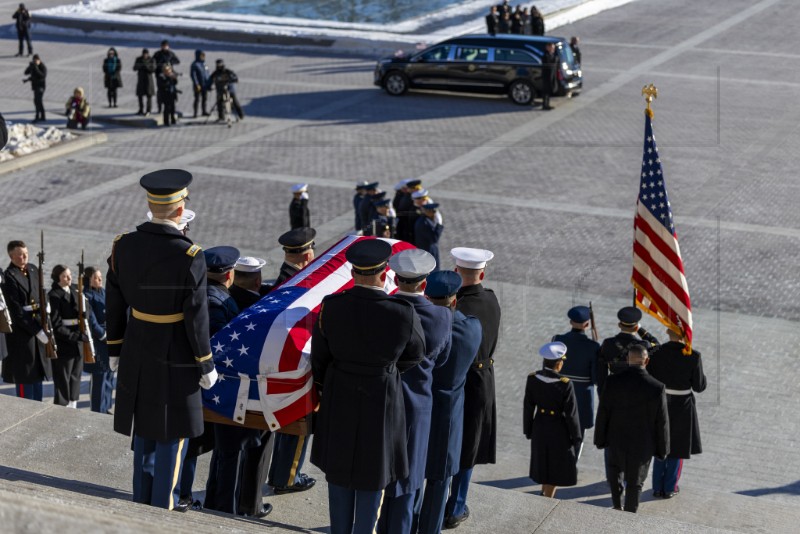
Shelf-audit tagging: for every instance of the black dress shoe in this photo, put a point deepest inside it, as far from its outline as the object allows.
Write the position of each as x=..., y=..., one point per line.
x=303, y=483
x=184, y=503
x=671, y=494
x=658, y=494
x=264, y=512
x=547, y=108
x=454, y=520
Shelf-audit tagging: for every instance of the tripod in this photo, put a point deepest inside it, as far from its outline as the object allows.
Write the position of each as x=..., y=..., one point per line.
x=226, y=109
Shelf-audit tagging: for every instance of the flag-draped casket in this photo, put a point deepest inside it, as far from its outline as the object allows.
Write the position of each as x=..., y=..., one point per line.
x=263, y=356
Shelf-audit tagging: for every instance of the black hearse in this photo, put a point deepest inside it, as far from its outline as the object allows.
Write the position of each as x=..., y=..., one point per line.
x=502, y=64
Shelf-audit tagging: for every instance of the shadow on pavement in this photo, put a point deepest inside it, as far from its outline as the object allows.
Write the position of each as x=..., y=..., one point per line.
x=84, y=488
x=788, y=489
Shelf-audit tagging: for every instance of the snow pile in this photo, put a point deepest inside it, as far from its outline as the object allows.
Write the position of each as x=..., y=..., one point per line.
x=27, y=138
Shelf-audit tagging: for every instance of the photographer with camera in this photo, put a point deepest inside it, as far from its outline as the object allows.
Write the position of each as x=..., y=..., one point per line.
x=22, y=20
x=36, y=74
x=168, y=93
x=78, y=110
x=224, y=81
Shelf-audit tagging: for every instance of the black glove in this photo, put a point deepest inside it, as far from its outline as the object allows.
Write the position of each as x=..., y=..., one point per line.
x=642, y=332
x=74, y=336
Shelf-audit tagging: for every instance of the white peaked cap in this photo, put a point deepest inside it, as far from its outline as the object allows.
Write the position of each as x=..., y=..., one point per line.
x=299, y=188
x=471, y=258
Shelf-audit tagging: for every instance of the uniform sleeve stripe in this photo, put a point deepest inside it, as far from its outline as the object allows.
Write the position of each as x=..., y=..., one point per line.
x=203, y=358
x=114, y=342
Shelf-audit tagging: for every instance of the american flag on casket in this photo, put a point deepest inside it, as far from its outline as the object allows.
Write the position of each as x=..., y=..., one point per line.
x=263, y=356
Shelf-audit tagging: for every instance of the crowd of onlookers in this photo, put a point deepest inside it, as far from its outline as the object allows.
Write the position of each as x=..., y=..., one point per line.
x=518, y=20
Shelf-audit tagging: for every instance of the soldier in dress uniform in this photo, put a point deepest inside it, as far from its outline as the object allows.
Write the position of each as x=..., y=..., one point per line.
x=681, y=374
x=298, y=248
x=403, y=498
x=480, y=410
x=612, y=358
x=285, y=471
x=581, y=366
x=362, y=340
x=162, y=350
x=27, y=364
x=361, y=192
x=365, y=206
x=247, y=282
x=428, y=230
x=299, y=215
x=447, y=417
x=405, y=209
x=550, y=421
x=381, y=220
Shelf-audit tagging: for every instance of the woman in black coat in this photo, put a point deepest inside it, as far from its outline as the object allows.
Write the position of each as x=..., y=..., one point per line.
x=550, y=421
x=112, y=67
x=145, y=68
x=67, y=368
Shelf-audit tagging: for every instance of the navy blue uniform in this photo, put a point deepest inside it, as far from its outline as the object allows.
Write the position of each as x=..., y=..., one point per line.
x=357, y=210
x=581, y=367
x=427, y=233
x=103, y=378
x=447, y=420
x=403, y=497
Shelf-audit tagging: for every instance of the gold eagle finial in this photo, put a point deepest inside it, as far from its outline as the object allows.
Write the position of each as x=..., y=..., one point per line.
x=649, y=92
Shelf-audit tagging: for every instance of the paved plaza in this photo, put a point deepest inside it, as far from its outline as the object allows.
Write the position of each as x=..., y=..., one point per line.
x=552, y=194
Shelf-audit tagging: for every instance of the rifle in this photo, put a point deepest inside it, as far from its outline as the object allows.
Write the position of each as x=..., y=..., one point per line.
x=44, y=316
x=591, y=320
x=86, y=347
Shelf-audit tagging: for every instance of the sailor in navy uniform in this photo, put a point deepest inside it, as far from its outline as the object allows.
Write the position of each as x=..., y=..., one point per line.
x=299, y=215
x=157, y=330
x=682, y=374
x=613, y=351
x=550, y=421
x=289, y=452
x=447, y=417
x=298, y=248
x=580, y=367
x=247, y=282
x=362, y=340
x=403, y=499
x=480, y=409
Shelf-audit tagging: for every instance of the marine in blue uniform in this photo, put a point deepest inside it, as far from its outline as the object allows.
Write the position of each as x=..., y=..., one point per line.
x=550, y=421
x=299, y=214
x=428, y=230
x=480, y=408
x=613, y=351
x=362, y=340
x=682, y=374
x=447, y=416
x=403, y=499
x=157, y=329
x=289, y=451
x=581, y=366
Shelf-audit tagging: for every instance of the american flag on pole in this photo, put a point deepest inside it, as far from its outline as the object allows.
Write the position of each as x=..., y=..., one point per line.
x=658, y=276
x=263, y=356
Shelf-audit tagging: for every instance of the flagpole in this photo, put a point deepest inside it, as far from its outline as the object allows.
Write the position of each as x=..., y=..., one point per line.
x=649, y=92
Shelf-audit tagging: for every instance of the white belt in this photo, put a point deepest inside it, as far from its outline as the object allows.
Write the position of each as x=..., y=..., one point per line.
x=678, y=391
x=70, y=322
x=29, y=308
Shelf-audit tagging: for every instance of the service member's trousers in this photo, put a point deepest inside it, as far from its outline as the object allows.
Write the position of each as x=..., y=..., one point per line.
x=287, y=459
x=399, y=514
x=256, y=467
x=457, y=503
x=102, y=391
x=630, y=472
x=156, y=468
x=666, y=474
x=433, y=504
x=67, y=379
x=353, y=511
x=30, y=391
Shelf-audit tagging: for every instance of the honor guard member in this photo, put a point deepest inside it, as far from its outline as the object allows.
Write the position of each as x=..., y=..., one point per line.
x=447, y=417
x=405, y=208
x=162, y=350
x=362, y=340
x=400, y=190
x=682, y=374
x=550, y=421
x=612, y=358
x=418, y=198
x=27, y=364
x=480, y=411
x=403, y=498
x=381, y=220
x=187, y=217
x=361, y=192
x=247, y=282
x=428, y=230
x=299, y=215
x=365, y=206
x=581, y=366
x=298, y=251
x=289, y=453
x=632, y=426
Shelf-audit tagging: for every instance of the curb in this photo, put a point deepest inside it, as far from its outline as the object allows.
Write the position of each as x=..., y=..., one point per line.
x=61, y=149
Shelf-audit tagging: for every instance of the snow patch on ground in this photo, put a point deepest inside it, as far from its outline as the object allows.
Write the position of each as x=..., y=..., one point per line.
x=25, y=139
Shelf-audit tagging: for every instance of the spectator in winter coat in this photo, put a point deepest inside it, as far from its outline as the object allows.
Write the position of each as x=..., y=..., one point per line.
x=164, y=56
x=22, y=20
x=145, y=67
x=168, y=93
x=37, y=73
x=112, y=68
x=199, y=73
x=78, y=109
